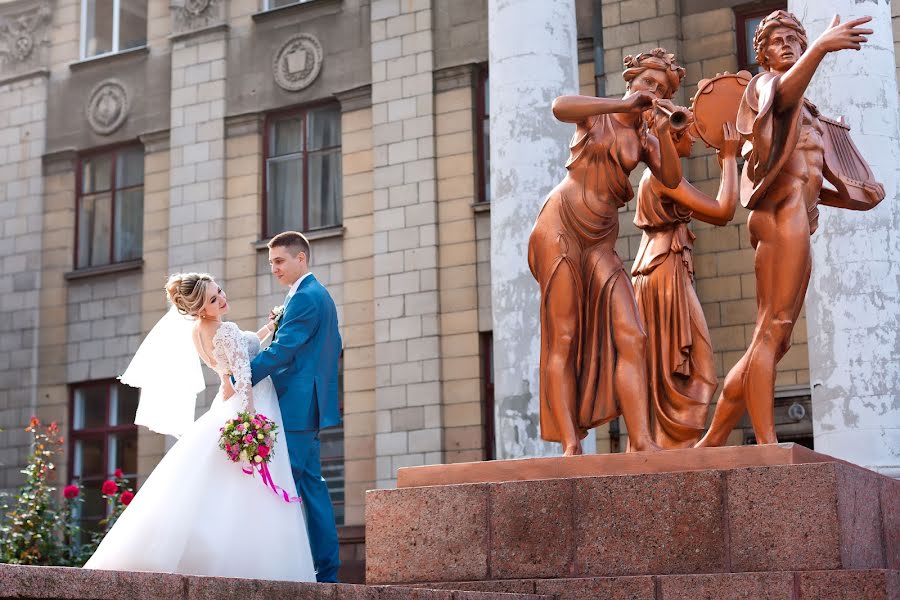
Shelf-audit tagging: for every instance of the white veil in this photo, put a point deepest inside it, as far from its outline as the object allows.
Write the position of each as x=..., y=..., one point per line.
x=167, y=369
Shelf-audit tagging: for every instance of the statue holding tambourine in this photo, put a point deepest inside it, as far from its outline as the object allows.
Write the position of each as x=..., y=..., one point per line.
x=793, y=152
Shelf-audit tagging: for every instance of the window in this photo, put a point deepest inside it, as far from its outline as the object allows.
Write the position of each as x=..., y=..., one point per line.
x=483, y=136
x=747, y=18
x=487, y=392
x=109, y=220
x=303, y=170
x=270, y=4
x=331, y=445
x=110, y=26
x=103, y=438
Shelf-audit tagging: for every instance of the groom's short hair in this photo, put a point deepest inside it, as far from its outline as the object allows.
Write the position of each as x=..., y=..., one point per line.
x=294, y=241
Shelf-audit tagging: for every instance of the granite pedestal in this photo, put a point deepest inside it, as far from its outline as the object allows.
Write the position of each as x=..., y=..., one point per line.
x=754, y=522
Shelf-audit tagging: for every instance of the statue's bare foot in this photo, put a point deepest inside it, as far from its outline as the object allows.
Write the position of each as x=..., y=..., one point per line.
x=572, y=449
x=645, y=446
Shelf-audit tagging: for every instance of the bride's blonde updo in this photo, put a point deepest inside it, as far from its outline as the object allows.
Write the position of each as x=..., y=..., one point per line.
x=187, y=291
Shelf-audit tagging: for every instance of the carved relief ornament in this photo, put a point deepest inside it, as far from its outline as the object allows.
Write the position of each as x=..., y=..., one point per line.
x=107, y=106
x=20, y=33
x=298, y=62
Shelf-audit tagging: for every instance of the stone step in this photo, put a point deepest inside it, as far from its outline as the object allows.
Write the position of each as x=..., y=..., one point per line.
x=64, y=583
x=783, y=585
x=800, y=517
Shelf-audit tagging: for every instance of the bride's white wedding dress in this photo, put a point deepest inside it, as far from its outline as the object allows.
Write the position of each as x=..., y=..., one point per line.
x=200, y=514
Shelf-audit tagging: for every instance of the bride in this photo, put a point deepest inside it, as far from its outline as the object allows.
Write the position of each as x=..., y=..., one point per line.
x=198, y=513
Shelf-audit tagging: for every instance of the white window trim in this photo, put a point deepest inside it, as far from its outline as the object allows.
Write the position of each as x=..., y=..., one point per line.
x=267, y=4
x=117, y=16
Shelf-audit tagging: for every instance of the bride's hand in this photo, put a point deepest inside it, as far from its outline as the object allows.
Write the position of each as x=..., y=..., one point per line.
x=250, y=408
x=227, y=388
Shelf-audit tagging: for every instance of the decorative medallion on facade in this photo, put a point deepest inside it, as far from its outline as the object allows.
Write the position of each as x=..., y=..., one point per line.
x=107, y=107
x=20, y=33
x=196, y=7
x=298, y=62
x=191, y=15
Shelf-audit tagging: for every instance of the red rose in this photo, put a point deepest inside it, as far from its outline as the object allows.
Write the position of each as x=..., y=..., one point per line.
x=126, y=498
x=109, y=487
x=71, y=491
x=119, y=474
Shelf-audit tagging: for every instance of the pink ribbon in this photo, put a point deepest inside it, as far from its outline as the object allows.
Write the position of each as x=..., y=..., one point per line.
x=267, y=480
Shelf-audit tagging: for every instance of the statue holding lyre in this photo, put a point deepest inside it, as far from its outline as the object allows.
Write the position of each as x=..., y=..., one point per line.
x=795, y=150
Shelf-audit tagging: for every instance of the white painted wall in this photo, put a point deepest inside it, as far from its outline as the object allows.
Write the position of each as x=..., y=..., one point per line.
x=533, y=59
x=853, y=303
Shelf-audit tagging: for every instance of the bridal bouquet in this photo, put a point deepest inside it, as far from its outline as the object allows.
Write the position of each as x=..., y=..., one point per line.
x=248, y=438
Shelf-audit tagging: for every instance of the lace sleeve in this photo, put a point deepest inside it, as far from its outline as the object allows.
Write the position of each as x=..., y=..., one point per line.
x=231, y=356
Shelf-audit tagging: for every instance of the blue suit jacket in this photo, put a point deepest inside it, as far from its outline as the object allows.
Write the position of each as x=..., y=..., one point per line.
x=303, y=360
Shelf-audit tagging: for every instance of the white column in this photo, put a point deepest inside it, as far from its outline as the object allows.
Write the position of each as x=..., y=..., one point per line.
x=853, y=304
x=533, y=59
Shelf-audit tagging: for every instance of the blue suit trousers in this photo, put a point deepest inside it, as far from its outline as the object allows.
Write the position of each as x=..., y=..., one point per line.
x=303, y=449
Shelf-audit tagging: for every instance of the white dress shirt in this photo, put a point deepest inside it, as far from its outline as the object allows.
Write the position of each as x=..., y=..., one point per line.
x=296, y=286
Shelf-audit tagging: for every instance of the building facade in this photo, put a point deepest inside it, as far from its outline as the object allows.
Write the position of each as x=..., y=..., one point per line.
x=144, y=137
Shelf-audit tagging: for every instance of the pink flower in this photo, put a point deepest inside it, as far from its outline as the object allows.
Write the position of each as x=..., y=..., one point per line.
x=118, y=474
x=262, y=417
x=263, y=451
x=267, y=427
x=126, y=498
x=71, y=491
x=109, y=487
x=248, y=439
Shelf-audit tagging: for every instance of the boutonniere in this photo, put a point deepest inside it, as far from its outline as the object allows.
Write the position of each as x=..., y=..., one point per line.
x=277, y=314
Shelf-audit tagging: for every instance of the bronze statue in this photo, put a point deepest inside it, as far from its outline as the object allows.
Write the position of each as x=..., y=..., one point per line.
x=682, y=372
x=593, y=345
x=793, y=150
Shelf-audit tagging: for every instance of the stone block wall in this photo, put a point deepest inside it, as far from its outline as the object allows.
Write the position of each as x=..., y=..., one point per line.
x=243, y=185
x=152, y=446
x=197, y=160
x=407, y=336
x=23, y=106
x=457, y=274
x=895, y=26
x=357, y=326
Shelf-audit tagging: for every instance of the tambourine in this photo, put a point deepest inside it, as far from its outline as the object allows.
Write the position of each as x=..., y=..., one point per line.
x=716, y=103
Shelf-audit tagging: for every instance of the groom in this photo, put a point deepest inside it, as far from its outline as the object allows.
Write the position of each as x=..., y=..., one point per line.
x=303, y=363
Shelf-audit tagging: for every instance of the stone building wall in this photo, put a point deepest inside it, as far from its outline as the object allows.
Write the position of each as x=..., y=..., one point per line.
x=22, y=107
x=410, y=266
x=407, y=329
x=357, y=326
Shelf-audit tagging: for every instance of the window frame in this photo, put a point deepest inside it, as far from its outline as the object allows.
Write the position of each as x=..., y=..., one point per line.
x=483, y=177
x=486, y=341
x=113, y=151
x=741, y=15
x=268, y=122
x=267, y=4
x=104, y=433
x=116, y=31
